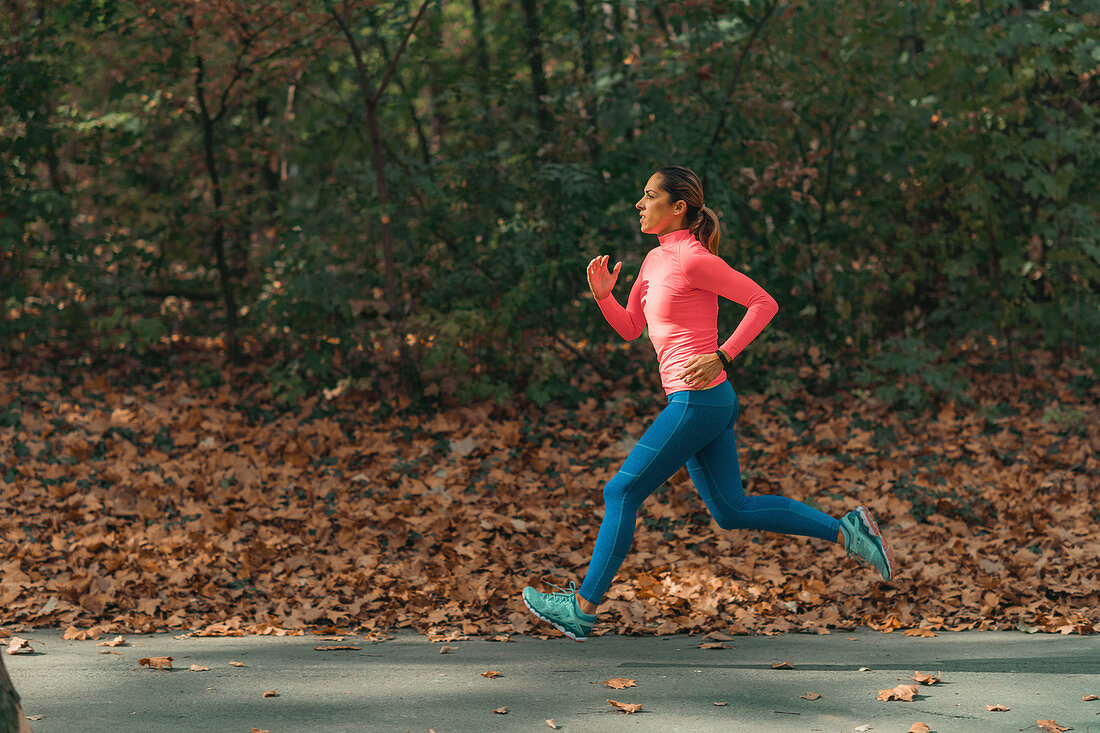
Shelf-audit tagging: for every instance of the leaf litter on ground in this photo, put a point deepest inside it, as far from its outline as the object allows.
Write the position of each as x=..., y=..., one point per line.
x=124, y=452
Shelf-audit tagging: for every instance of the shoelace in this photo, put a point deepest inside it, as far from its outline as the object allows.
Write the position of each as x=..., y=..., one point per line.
x=566, y=596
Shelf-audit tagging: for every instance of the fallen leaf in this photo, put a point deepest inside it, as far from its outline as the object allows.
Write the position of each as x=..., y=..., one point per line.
x=260, y=730
x=619, y=683
x=721, y=704
x=161, y=663
x=235, y=664
x=550, y=722
x=501, y=711
x=626, y=707
x=1089, y=698
x=500, y=637
x=74, y=634
x=35, y=717
x=330, y=638
x=925, y=679
x=199, y=668
x=337, y=648
x=492, y=674
x=20, y=645
x=924, y=633
x=862, y=728
x=864, y=669
x=1050, y=725
x=719, y=636
x=997, y=708
x=271, y=693
x=117, y=641
x=901, y=692
x=810, y=696
x=919, y=728
x=782, y=665
x=712, y=645
x=444, y=650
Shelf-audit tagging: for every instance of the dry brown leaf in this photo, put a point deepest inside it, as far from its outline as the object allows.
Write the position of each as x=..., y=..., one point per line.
x=199, y=668
x=626, y=707
x=1051, y=726
x=719, y=636
x=336, y=648
x=492, y=674
x=783, y=665
x=19, y=645
x=620, y=683
x=810, y=696
x=260, y=730
x=117, y=641
x=501, y=711
x=233, y=663
x=1089, y=698
x=925, y=679
x=550, y=722
x=712, y=645
x=997, y=708
x=500, y=637
x=444, y=650
x=901, y=692
x=721, y=704
x=921, y=632
x=270, y=693
x=919, y=728
x=161, y=663
x=75, y=634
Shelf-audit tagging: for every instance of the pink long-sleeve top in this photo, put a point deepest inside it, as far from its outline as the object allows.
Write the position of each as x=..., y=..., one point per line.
x=676, y=295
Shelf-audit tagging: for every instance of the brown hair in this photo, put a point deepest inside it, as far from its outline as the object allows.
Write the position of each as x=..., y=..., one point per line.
x=682, y=184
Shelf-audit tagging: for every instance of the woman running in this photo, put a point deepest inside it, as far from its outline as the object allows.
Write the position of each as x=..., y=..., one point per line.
x=676, y=296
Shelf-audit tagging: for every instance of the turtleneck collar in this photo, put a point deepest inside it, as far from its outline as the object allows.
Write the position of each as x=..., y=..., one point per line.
x=676, y=237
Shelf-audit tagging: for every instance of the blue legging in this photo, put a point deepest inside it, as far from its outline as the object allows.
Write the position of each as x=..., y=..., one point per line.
x=695, y=429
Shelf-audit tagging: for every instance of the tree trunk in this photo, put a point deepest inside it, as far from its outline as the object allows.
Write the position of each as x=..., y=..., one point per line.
x=591, y=101
x=371, y=98
x=217, y=240
x=482, y=53
x=534, y=59
x=12, y=719
x=379, y=163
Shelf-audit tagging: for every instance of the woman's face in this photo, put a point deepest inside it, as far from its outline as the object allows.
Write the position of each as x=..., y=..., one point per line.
x=659, y=215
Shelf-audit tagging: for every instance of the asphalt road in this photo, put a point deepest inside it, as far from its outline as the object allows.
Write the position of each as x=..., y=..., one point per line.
x=405, y=683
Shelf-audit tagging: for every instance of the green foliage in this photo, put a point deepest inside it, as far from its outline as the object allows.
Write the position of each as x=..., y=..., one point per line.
x=901, y=177
x=911, y=375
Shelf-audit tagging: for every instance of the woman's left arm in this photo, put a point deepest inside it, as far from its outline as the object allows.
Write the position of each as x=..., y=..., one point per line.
x=710, y=272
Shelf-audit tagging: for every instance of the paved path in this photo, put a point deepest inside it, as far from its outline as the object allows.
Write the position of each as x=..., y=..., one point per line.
x=406, y=684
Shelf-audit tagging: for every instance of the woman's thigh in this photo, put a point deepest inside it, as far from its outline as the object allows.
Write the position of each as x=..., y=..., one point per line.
x=678, y=433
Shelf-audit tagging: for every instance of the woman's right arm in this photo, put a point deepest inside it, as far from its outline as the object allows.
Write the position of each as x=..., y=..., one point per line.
x=628, y=322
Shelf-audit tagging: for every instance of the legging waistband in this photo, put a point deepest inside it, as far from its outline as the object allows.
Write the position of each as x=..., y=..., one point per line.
x=721, y=395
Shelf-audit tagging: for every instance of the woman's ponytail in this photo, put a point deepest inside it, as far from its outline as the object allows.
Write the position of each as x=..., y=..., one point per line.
x=705, y=229
x=681, y=184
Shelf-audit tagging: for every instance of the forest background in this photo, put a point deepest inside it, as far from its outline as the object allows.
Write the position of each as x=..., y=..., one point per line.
x=296, y=290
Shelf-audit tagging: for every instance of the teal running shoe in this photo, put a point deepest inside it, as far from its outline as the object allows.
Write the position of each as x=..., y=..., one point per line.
x=864, y=541
x=560, y=610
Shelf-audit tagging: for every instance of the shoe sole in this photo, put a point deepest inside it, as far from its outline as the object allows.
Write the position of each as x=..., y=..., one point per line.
x=553, y=623
x=872, y=526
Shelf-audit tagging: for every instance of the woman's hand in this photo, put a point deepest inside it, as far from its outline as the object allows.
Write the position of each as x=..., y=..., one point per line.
x=601, y=281
x=701, y=370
